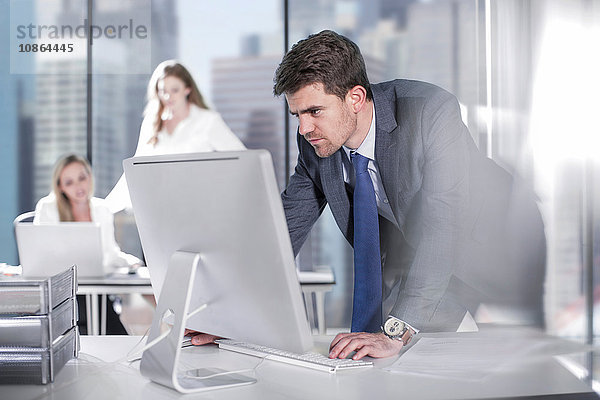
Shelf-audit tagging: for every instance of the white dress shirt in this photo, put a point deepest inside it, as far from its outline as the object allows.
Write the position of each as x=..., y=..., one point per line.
x=201, y=131
x=367, y=149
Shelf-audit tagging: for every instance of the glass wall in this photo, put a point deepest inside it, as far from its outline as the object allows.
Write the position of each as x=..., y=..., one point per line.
x=13, y=88
x=550, y=118
x=525, y=73
x=43, y=105
x=231, y=63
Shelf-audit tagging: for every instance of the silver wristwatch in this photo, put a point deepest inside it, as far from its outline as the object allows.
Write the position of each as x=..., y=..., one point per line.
x=397, y=330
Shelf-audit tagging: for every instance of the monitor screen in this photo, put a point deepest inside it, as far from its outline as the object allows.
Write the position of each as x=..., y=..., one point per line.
x=226, y=207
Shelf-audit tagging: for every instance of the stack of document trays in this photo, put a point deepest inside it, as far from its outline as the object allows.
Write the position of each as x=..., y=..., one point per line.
x=38, y=327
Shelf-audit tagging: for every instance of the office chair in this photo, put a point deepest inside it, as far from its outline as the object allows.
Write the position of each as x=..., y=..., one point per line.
x=25, y=217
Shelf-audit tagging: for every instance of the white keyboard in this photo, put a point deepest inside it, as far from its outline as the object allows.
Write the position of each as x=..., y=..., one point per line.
x=308, y=360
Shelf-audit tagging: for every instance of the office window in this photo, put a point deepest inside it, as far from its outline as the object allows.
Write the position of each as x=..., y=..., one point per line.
x=506, y=61
x=524, y=72
x=232, y=60
x=230, y=56
x=41, y=107
x=544, y=73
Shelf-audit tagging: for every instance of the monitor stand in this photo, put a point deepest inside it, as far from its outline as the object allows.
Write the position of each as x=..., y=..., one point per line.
x=159, y=363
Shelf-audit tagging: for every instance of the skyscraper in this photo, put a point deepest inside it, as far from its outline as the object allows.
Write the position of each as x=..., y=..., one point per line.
x=60, y=117
x=242, y=94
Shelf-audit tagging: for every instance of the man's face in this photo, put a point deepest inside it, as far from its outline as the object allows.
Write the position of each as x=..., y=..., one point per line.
x=325, y=121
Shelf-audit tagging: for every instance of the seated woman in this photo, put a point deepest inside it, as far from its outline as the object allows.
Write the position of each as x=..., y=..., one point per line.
x=71, y=201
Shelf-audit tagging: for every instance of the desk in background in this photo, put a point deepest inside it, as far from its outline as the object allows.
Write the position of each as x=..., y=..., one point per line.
x=92, y=376
x=316, y=283
x=118, y=283
x=313, y=283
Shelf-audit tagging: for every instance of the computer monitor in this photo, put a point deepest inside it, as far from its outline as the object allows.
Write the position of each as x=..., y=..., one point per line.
x=226, y=207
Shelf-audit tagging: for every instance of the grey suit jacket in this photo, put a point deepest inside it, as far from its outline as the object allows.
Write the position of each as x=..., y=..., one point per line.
x=450, y=203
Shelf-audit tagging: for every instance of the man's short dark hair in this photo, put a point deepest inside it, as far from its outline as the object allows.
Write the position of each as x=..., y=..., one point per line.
x=325, y=57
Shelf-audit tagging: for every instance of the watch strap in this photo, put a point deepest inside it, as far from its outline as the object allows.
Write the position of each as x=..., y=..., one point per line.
x=406, y=336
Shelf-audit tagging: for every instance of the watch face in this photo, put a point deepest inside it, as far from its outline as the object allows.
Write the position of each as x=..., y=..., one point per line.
x=393, y=327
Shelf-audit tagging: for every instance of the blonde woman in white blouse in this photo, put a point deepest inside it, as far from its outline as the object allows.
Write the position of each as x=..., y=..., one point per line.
x=71, y=200
x=176, y=120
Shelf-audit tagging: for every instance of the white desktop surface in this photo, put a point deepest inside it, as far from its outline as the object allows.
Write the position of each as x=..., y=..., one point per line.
x=93, y=377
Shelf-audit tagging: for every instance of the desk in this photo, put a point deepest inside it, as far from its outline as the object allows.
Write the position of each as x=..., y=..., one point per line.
x=316, y=282
x=117, y=283
x=312, y=282
x=93, y=377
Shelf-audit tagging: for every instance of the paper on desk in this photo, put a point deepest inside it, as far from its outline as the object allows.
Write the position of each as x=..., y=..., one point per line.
x=9, y=270
x=464, y=358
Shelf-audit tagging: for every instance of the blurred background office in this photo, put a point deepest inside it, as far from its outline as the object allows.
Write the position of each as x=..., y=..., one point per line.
x=525, y=71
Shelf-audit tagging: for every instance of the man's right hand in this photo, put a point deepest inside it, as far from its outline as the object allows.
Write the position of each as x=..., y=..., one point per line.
x=199, y=338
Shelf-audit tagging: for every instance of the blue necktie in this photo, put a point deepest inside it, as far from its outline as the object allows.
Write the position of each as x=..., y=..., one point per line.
x=366, y=305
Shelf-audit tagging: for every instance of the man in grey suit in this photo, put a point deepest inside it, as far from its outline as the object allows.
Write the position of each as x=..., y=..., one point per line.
x=446, y=213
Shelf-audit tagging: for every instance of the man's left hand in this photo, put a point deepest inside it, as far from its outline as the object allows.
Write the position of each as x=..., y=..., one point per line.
x=199, y=338
x=365, y=344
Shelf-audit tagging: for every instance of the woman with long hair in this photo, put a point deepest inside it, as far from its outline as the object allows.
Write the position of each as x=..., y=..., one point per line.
x=71, y=200
x=176, y=120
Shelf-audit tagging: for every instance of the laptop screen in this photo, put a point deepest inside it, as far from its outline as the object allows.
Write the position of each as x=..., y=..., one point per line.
x=47, y=249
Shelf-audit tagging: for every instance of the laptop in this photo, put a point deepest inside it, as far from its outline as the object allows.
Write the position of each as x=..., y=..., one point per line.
x=47, y=249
